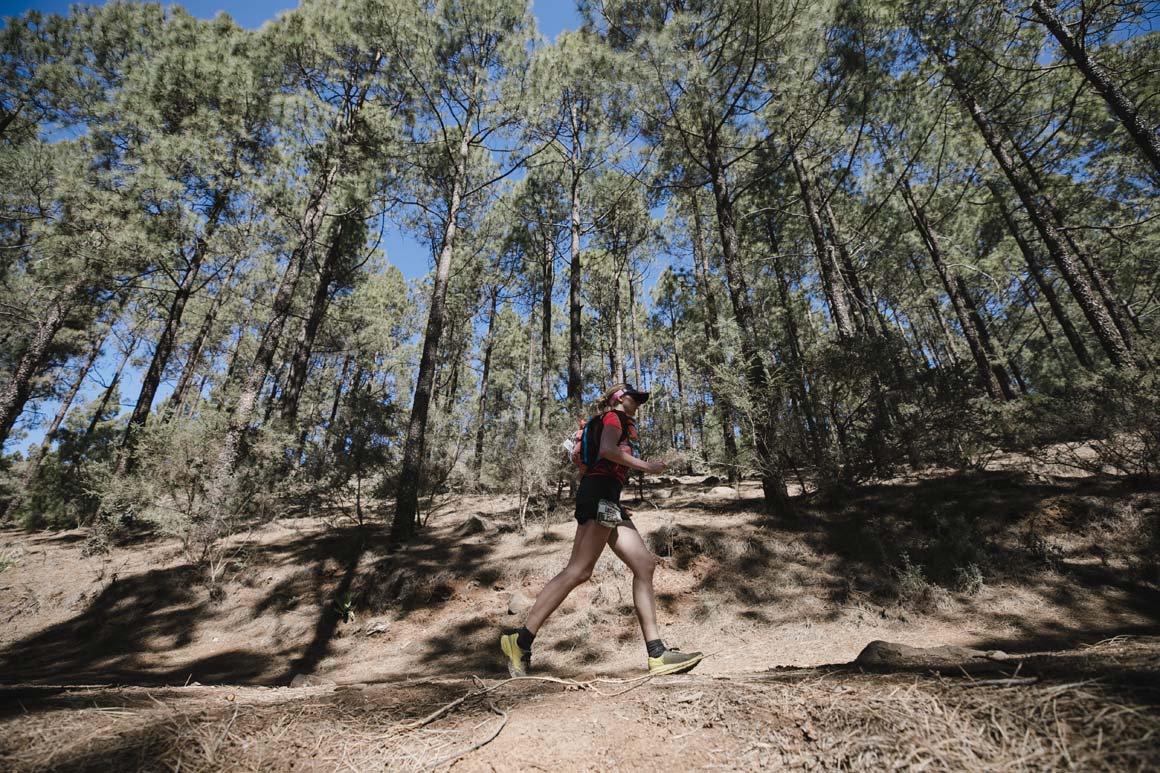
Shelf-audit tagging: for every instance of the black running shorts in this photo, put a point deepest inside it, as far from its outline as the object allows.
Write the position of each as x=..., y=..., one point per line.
x=592, y=489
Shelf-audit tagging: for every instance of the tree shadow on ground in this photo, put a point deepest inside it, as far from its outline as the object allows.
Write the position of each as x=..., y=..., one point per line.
x=204, y=728
x=154, y=611
x=136, y=627
x=998, y=524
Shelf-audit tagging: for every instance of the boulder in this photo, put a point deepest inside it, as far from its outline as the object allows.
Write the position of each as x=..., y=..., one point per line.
x=476, y=524
x=309, y=680
x=518, y=603
x=374, y=627
x=723, y=491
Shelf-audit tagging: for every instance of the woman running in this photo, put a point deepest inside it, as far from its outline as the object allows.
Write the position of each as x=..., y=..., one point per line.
x=603, y=521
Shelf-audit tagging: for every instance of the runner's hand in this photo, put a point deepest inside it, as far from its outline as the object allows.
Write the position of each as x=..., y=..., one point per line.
x=656, y=468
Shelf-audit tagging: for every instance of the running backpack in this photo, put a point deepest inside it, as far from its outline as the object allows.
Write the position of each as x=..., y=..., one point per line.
x=585, y=444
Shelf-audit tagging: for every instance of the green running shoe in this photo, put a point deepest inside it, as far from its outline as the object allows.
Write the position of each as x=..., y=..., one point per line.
x=673, y=661
x=519, y=661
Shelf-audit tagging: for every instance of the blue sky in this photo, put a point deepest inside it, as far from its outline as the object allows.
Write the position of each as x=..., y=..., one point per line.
x=412, y=258
x=552, y=15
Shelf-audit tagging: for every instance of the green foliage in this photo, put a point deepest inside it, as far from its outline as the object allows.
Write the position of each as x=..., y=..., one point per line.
x=67, y=492
x=914, y=591
x=715, y=179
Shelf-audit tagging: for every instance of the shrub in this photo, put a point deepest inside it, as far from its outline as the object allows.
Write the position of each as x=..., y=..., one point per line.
x=914, y=590
x=968, y=579
x=1040, y=551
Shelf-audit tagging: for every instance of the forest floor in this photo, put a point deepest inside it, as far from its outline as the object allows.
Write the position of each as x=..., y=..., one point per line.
x=120, y=658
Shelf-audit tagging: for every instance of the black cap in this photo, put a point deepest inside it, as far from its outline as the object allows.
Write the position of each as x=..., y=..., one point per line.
x=640, y=397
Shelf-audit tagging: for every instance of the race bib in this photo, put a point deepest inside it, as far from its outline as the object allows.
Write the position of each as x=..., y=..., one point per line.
x=608, y=514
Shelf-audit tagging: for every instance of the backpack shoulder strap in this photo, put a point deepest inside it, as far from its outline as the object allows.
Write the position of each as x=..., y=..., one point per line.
x=624, y=425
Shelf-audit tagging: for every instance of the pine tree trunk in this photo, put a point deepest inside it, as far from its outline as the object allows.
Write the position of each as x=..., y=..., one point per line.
x=406, y=519
x=849, y=272
x=180, y=392
x=168, y=338
x=255, y=378
x=830, y=273
x=632, y=331
x=716, y=359
x=980, y=325
x=107, y=395
x=1095, y=273
x=1065, y=260
x=481, y=412
x=679, y=397
x=546, y=330
x=1100, y=79
x=530, y=370
x=761, y=394
x=16, y=391
x=275, y=390
x=575, y=341
x=805, y=398
x=617, y=348
x=32, y=467
x=338, y=391
x=983, y=367
x=1036, y=269
x=320, y=301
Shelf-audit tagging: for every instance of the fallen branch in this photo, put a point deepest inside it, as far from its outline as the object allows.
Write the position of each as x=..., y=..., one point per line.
x=477, y=744
x=590, y=685
x=1015, y=680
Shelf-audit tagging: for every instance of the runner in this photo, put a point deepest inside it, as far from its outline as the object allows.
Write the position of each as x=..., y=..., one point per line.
x=603, y=521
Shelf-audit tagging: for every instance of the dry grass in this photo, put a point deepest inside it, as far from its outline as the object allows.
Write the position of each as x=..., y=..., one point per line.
x=803, y=719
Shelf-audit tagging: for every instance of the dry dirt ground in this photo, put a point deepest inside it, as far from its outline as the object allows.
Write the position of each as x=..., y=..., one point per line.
x=122, y=658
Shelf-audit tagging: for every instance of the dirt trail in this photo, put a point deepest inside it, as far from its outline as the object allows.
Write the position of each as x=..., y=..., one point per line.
x=1054, y=572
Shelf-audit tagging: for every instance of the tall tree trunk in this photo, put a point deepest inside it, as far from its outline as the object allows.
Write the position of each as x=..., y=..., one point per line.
x=805, y=397
x=632, y=330
x=983, y=367
x=107, y=395
x=15, y=392
x=530, y=370
x=721, y=400
x=168, y=338
x=830, y=273
x=406, y=519
x=180, y=392
x=679, y=397
x=1047, y=334
x=1065, y=260
x=484, y=383
x=1100, y=79
x=546, y=329
x=338, y=439
x=308, y=331
x=1094, y=271
x=849, y=271
x=338, y=390
x=617, y=348
x=761, y=394
x=255, y=377
x=275, y=390
x=575, y=340
x=985, y=338
x=32, y=467
x=1036, y=269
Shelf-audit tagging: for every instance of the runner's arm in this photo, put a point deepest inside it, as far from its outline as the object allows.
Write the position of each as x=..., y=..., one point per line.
x=612, y=452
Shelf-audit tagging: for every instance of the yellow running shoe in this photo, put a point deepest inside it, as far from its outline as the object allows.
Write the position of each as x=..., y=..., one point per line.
x=519, y=661
x=673, y=661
